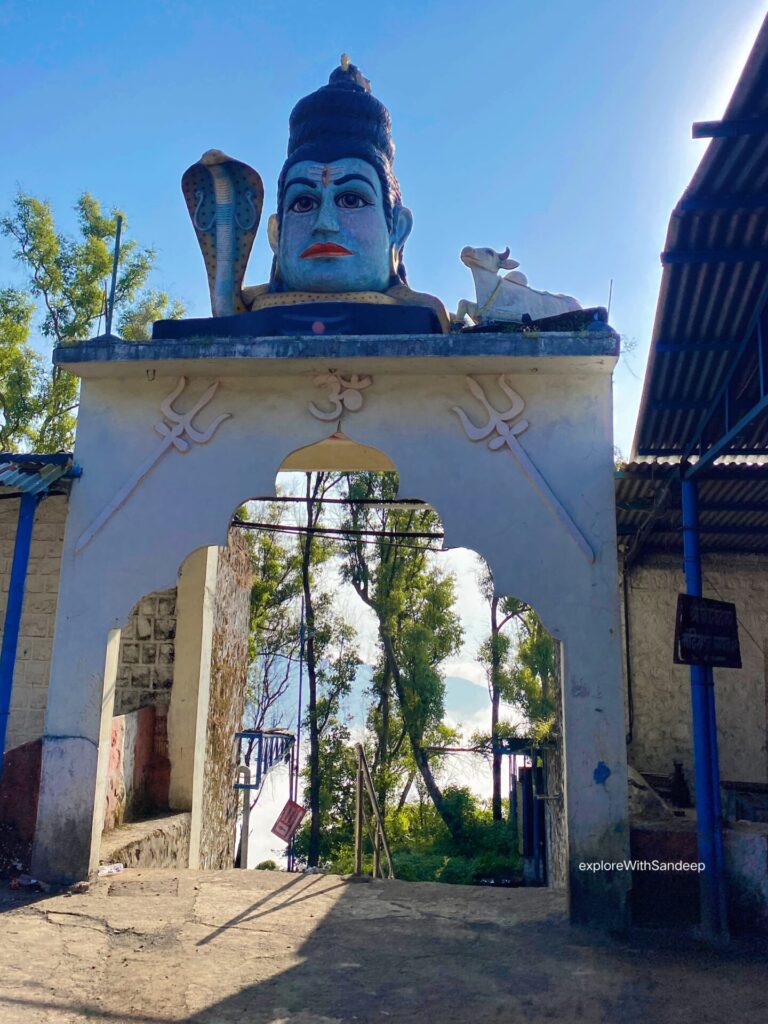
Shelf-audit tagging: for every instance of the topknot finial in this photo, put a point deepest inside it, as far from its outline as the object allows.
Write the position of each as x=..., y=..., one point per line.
x=344, y=61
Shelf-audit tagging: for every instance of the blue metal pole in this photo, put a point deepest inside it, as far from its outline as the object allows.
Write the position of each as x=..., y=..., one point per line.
x=704, y=740
x=717, y=811
x=13, y=610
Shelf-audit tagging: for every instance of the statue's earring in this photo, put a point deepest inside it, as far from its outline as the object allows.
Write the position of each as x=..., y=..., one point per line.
x=393, y=260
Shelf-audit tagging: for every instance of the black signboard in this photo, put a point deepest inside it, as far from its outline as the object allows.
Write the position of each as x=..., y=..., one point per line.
x=706, y=633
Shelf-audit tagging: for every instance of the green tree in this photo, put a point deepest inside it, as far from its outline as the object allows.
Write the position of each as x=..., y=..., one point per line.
x=330, y=655
x=65, y=298
x=534, y=672
x=274, y=617
x=495, y=657
x=22, y=381
x=336, y=777
x=418, y=629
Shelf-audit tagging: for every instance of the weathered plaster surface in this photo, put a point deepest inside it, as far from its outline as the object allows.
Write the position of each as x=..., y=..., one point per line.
x=134, y=766
x=20, y=788
x=485, y=502
x=97, y=358
x=661, y=691
x=190, y=694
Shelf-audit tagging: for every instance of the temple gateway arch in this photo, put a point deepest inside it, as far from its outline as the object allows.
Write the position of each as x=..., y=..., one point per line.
x=507, y=436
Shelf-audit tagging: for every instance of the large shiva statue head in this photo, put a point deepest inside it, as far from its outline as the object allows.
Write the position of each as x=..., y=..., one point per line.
x=340, y=224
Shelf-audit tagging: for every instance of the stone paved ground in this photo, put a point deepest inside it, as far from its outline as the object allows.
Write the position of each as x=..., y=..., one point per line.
x=146, y=947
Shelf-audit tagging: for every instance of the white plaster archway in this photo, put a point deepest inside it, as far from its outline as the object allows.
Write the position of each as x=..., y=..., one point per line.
x=533, y=495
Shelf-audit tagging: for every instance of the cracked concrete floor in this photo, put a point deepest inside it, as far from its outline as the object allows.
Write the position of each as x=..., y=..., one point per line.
x=268, y=948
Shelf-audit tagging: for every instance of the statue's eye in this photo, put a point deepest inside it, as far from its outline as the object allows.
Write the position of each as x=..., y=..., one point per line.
x=303, y=204
x=351, y=201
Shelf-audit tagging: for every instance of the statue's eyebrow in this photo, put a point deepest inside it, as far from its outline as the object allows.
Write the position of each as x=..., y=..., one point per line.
x=300, y=181
x=353, y=177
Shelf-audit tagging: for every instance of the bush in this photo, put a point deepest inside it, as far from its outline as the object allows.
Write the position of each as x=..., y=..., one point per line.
x=496, y=869
x=266, y=865
x=423, y=849
x=417, y=866
x=457, y=871
x=344, y=862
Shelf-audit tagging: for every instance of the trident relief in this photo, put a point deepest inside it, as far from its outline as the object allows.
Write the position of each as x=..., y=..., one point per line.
x=502, y=433
x=177, y=431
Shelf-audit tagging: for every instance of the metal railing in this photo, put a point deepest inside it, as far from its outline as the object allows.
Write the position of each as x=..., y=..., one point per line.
x=373, y=824
x=268, y=747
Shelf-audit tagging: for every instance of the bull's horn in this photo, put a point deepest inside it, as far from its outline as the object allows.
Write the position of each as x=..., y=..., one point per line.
x=504, y=255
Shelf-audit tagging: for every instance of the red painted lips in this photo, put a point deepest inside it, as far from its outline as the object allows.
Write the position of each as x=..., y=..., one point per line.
x=324, y=249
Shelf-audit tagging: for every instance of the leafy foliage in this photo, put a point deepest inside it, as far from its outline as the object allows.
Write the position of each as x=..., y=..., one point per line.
x=413, y=600
x=337, y=766
x=65, y=296
x=422, y=847
x=274, y=618
x=533, y=673
x=435, y=834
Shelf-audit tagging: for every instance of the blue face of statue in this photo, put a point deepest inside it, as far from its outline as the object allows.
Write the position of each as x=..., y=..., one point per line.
x=334, y=235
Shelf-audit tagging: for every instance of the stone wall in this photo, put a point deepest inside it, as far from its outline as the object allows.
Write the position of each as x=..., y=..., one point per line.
x=156, y=843
x=229, y=667
x=661, y=692
x=33, y=657
x=145, y=672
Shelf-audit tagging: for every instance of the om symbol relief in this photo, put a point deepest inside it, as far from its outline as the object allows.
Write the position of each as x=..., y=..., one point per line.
x=344, y=394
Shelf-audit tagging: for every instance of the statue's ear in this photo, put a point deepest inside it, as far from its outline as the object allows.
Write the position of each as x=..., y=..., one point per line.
x=273, y=233
x=402, y=225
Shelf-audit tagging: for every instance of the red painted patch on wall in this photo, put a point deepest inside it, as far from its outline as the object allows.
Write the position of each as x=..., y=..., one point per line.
x=20, y=788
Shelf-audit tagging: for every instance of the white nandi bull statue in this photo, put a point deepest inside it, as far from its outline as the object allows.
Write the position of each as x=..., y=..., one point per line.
x=507, y=297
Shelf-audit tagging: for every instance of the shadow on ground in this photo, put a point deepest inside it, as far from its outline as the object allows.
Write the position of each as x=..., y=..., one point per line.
x=210, y=948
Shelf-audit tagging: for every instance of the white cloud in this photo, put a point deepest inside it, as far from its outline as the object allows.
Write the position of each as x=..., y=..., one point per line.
x=472, y=671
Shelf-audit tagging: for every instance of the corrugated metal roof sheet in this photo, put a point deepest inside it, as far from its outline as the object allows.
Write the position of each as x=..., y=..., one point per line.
x=33, y=474
x=733, y=507
x=714, y=288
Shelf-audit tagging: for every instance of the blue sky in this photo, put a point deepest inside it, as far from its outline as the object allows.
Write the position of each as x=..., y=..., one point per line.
x=561, y=129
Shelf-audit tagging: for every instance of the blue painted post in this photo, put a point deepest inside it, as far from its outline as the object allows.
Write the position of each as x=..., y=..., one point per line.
x=13, y=609
x=717, y=811
x=259, y=758
x=708, y=822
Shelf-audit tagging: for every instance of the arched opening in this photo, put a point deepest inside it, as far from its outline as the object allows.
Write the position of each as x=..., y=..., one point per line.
x=177, y=702
x=461, y=733
x=485, y=749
